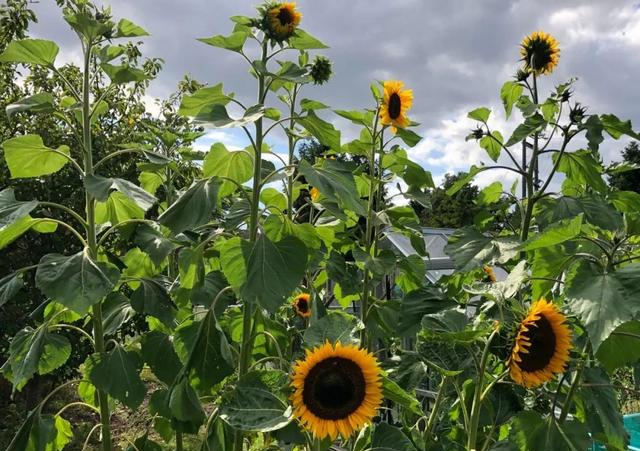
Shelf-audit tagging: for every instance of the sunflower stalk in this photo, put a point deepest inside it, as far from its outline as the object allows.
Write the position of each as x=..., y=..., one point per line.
x=292, y=145
x=477, y=397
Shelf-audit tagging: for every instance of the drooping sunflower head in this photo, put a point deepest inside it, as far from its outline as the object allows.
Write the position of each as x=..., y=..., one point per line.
x=395, y=104
x=279, y=20
x=336, y=390
x=542, y=345
x=302, y=305
x=488, y=270
x=540, y=52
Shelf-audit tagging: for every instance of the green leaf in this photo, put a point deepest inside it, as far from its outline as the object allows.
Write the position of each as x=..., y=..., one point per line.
x=531, y=432
x=390, y=438
x=624, y=201
x=203, y=98
x=335, y=327
x=118, y=373
x=409, y=137
x=619, y=349
x=274, y=270
x=234, y=42
x=464, y=179
x=258, y=402
x=144, y=443
x=555, y=234
x=153, y=243
x=510, y=93
x=37, y=103
x=237, y=166
x=594, y=128
x=151, y=298
x=10, y=233
x=123, y=74
x=335, y=181
x=548, y=263
x=157, y=351
x=490, y=194
x=470, y=249
x=493, y=146
x=600, y=409
x=36, y=350
x=118, y=208
x=12, y=210
x=582, y=168
x=549, y=109
x=216, y=116
x=30, y=51
x=100, y=187
x=10, y=286
x=75, y=281
x=127, y=29
x=116, y=310
x=533, y=124
x=193, y=208
x=323, y=131
x=273, y=200
x=86, y=25
x=398, y=395
x=355, y=116
x=27, y=156
x=616, y=128
x=603, y=301
x=450, y=326
x=207, y=351
x=420, y=302
x=480, y=114
x=302, y=40
x=184, y=403
x=312, y=105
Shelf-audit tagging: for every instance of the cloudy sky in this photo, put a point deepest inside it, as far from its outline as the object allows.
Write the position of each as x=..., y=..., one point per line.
x=455, y=55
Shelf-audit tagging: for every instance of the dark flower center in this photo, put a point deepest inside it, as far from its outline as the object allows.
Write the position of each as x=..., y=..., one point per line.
x=334, y=388
x=303, y=305
x=394, y=105
x=538, y=54
x=285, y=17
x=543, y=345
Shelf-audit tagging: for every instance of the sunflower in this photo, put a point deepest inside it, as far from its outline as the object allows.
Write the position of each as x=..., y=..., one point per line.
x=488, y=270
x=396, y=103
x=315, y=194
x=280, y=20
x=542, y=345
x=302, y=305
x=336, y=390
x=540, y=52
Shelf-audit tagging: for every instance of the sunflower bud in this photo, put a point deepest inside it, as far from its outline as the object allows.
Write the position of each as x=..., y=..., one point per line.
x=476, y=133
x=577, y=113
x=320, y=70
x=522, y=75
x=566, y=95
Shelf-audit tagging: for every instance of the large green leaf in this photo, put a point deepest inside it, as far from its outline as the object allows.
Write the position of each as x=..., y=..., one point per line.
x=37, y=433
x=30, y=51
x=582, y=168
x=620, y=349
x=193, y=208
x=470, y=249
x=555, y=234
x=451, y=326
x=274, y=270
x=603, y=301
x=335, y=327
x=322, y=130
x=184, y=404
x=600, y=409
x=41, y=102
x=76, y=281
x=116, y=310
x=10, y=233
x=390, y=438
x=420, y=302
x=124, y=74
x=10, y=286
x=27, y=156
x=151, y=298
x=234, y=42
x=87, y=26
x=157, y=351
x=12, y=210
x=409, y=137
x=118, y=373
x=616, y=127
x=532, y=124
x=153, y=243
x=127, y=29
x=258, y=402
x=510, y=93
x=117, y=208
x=531, y=432
x=100, y=187
x=492, y=144
x=206, y=349
x=36, y=350
x=400, y=396
x=216, y=116
x=237, y=166
x=302, y=40
x=335, y=181
x=203, y=98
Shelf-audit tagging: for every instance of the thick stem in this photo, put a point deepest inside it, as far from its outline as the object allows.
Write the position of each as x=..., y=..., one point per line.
x=291, y=149
x=477, y=397
x=92, y=246
x=179, y=445
x=247, y=308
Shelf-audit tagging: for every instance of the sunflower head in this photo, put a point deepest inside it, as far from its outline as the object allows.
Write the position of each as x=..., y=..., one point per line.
x=488, y=270
x=315, y=194
x=540, y=52
x=302, y=305
x=279, y=20
x=396, y=103
x=541, y=347
x=336, y=390
x=320, y=70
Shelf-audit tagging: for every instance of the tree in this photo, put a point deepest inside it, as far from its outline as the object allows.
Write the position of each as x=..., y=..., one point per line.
x=628, y=180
